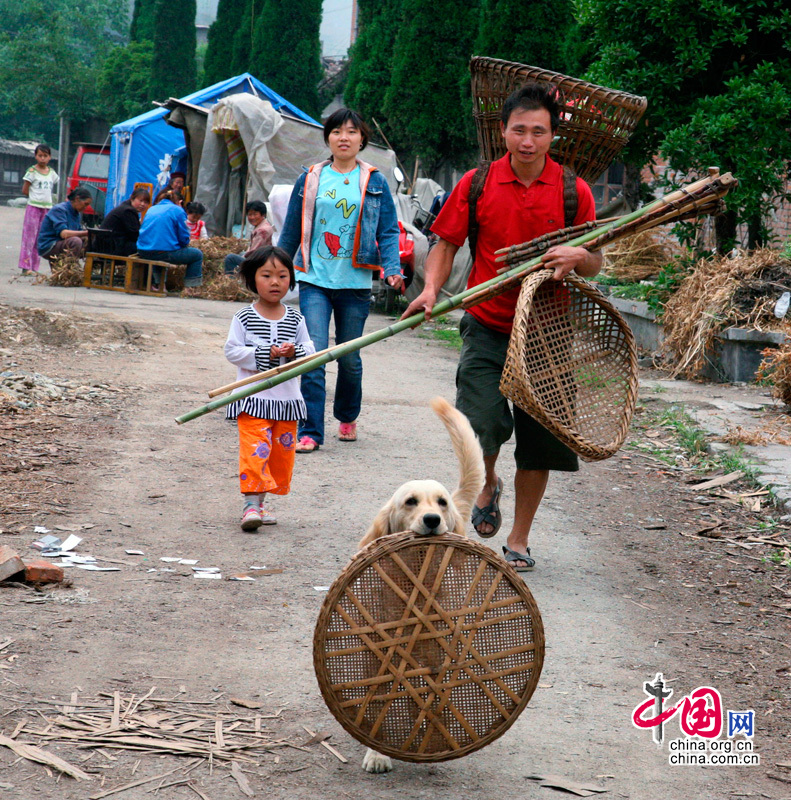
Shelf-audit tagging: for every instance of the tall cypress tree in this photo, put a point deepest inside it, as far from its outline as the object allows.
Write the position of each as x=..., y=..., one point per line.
x=218, y=63
x=371, y=60
x=244, y=38
x=173, y=70
x=428, y=96
x=287, y=50
x=143, y=18
x=536, y=29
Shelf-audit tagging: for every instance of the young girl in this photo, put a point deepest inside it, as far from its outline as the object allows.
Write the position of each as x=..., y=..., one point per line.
x=263, y=335
x=194, y=222
x=37, y=185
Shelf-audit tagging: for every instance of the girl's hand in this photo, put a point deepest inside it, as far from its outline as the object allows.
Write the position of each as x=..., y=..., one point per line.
x=287, y=350
x=396, y=281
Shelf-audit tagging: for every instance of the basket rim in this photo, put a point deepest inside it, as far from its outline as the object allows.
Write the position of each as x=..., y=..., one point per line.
x=478, y=63
x=365, y=558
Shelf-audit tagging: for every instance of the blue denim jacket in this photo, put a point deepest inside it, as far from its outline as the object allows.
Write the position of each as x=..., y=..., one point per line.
x=375, y=241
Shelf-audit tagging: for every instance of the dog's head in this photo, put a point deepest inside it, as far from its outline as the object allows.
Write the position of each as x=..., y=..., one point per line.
x=425, y=507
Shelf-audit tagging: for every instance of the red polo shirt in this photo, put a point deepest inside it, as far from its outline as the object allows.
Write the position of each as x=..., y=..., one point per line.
x=508, y=213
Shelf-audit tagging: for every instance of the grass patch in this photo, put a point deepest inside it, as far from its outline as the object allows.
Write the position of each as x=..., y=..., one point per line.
x=443, y=330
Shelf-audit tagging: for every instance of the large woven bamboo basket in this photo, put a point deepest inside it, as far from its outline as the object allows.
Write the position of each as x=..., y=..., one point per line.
x=427, y=648
x=596, y=122
x=572, y=364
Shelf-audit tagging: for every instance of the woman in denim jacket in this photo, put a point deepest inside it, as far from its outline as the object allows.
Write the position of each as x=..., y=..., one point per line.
x=340, y=228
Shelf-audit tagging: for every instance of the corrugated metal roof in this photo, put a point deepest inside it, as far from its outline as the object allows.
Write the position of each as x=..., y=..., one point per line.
x=9, y=147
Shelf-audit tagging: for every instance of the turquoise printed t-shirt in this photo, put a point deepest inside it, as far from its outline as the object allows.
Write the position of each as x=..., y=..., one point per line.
x=334, y=226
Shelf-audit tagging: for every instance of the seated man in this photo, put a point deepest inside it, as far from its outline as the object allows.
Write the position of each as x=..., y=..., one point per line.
x=261, y=236
x=61, y=230
x=164, y=236
x=122, y=226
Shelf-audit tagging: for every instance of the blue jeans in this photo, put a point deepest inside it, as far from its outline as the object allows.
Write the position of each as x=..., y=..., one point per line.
x=190, y=256
x=232, y=263
x=350, y=307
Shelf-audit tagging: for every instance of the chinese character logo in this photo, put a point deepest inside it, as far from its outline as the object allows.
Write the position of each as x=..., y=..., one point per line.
x=740, y=722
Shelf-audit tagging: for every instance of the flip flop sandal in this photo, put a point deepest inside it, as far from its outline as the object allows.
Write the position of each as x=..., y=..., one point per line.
x=489, y=514
x=347, y=431
x=511, y=556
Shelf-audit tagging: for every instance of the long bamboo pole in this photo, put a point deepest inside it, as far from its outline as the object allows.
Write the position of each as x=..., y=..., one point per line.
x=679, y=199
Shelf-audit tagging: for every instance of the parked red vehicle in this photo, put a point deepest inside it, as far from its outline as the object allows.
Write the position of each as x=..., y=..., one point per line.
x=90, y=169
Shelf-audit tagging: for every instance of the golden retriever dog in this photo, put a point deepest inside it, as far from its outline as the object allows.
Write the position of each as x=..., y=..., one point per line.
x=427, y=508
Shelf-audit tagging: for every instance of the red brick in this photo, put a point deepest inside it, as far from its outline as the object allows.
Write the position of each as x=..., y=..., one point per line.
x=39, y=570
x=10, y=563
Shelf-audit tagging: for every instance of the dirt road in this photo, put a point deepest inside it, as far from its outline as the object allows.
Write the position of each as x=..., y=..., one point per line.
x=615, y=603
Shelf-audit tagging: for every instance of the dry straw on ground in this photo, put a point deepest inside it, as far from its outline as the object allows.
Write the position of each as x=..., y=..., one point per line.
x=721, y=293
x=64, y=271
x=636, y=258
x=776, y=368
x=216, y=285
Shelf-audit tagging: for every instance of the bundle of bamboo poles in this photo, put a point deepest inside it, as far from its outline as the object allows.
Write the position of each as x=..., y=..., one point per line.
x=697, y=199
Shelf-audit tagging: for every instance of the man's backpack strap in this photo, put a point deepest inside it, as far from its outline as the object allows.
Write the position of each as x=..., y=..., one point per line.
x=476, y=190
x=570, y=199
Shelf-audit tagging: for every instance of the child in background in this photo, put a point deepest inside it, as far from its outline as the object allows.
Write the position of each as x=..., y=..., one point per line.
x=37, y=185
x=264, y=335
x=194, y=222
x=261, y=235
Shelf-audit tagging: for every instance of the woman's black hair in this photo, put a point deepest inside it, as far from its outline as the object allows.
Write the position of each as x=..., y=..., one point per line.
x=341, y=116
x=256, y=205
x=195, y=208
x=257, y=258
x=80, y=193
x=533, y=96
x=44, y=149
x=143, y=194
x=168, y=194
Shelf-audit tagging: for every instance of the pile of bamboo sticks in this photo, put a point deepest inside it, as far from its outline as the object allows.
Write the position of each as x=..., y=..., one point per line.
x=695, y=200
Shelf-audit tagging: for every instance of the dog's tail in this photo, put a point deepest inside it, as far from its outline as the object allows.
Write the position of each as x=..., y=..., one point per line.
x=468, y=452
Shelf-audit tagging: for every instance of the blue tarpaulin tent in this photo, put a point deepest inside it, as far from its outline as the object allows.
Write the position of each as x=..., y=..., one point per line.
x=145, y=149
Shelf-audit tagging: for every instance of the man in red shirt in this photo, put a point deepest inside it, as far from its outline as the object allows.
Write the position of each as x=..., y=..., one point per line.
x=522, y=198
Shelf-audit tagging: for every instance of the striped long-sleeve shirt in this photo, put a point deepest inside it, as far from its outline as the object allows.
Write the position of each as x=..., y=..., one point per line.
x=248, y=346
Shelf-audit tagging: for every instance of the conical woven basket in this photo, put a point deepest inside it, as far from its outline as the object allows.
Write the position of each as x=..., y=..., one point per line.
x=595, y=125
x=572, y=364
x=427, y=648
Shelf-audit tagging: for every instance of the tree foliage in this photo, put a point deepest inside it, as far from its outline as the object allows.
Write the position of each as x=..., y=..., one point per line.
x=427, y=98
x=49, y=57
x=143, y=22
x=220, y=53
x=371, y=59
x=536, y=32
x=287, y=50
x=125, y=81
x=173, y=70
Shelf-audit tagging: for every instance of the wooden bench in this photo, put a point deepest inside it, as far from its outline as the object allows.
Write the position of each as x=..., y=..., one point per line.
x=123, y=274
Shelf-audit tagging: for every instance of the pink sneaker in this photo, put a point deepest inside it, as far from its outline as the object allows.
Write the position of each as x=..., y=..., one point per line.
x=251, y=518
x=306, y=445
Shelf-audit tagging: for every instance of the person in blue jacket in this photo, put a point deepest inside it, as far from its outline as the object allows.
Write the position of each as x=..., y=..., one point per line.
x=61, y=230
x=164, y=236
x=340, y=228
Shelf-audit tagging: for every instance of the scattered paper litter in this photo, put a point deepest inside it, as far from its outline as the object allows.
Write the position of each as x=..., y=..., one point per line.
x=322, y=588
x=188, y=562
x=205, y=569
x=207, y=575
x=169, y=559
x=70, y=543
x=166, y=569
x=40, y=529
x=74, y=558
x=47, y=543
x=134, y=552
x=96, y=568
x=240, y=577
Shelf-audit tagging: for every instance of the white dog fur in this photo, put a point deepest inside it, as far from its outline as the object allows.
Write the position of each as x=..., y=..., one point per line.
x=426, y=507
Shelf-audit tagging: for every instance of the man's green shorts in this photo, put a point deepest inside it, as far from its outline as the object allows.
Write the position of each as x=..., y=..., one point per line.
x=483, y=353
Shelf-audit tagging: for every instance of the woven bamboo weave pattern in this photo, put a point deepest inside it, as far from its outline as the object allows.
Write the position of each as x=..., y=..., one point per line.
x=572, y=364
x=596, y=122
x=427, y=648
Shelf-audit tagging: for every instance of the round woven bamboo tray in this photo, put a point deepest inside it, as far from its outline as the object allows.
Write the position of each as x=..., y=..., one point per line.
x=427, y=648
x=572, y=364
x=596, y=122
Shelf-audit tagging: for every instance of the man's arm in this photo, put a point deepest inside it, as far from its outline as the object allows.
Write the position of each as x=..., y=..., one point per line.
x=563, y=259
x=439, y=265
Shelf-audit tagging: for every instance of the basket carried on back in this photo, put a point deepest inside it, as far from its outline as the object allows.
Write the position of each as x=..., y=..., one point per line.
x=427, y=648
x=595, y=123
x=572, y=364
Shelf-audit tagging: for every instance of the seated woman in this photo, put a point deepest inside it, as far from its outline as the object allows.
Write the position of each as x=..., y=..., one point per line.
x=61, y=230
x=261, y=236
x=175, y=184
x=123, y=226
x=164, y=236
